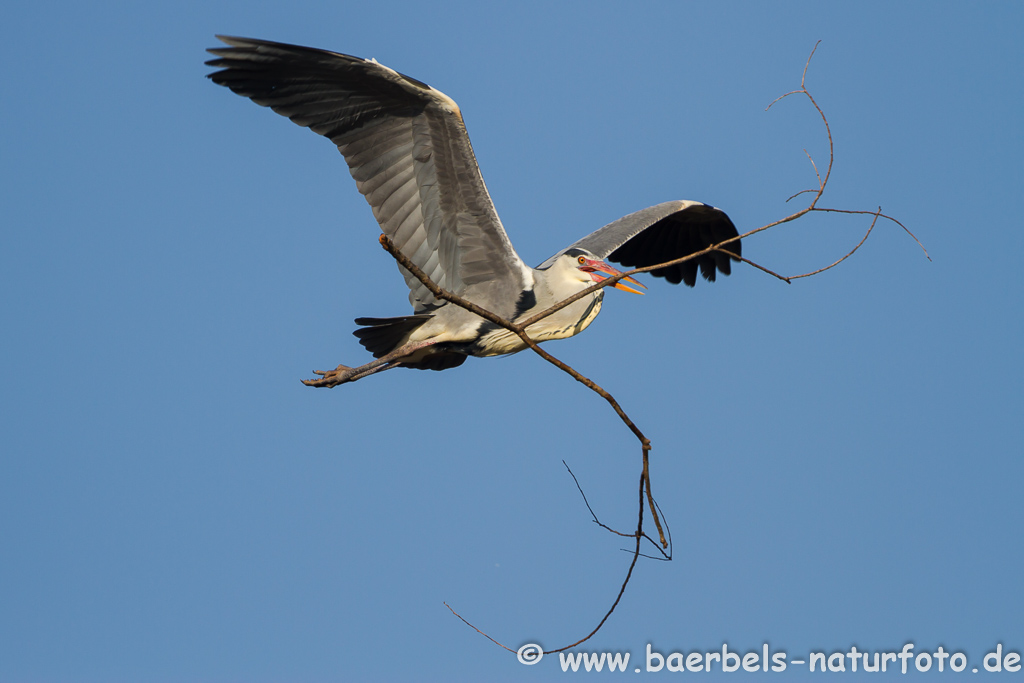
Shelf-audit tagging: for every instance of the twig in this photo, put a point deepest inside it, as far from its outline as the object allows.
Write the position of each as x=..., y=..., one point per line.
x=587, y=503
x=664, y=555
x=478, y=630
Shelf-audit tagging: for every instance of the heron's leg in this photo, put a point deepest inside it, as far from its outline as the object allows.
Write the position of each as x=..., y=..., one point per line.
x=343, y=373
x=374, y=371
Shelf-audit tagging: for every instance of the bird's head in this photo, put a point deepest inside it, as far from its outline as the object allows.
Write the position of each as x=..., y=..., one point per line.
x=587, y=268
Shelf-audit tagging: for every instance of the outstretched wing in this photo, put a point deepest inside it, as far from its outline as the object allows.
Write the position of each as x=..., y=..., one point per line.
x=407, y=148
x=665, y=232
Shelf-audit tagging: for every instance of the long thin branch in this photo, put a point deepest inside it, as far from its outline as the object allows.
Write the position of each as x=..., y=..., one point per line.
x=520, y=328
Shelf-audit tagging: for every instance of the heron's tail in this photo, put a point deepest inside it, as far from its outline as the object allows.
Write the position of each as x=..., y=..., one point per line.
x=381, y=336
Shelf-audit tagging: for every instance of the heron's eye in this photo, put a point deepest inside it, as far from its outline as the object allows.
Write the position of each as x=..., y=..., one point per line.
x=582, y=260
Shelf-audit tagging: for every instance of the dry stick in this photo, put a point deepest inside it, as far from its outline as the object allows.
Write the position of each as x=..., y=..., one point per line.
x=520, y=329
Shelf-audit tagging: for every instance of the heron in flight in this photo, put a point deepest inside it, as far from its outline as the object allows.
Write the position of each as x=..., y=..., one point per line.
x=406, y=146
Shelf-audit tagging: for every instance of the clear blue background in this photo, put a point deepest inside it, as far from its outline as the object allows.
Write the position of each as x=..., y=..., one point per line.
x=839, y=459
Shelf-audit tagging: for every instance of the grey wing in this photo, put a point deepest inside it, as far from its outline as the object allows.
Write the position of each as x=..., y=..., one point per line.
x=665, y=232
x=407, y=148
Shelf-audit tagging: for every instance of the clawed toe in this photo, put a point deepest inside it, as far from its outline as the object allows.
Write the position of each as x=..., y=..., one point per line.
x=343, y=373
x=336, y=371
x=329, y=378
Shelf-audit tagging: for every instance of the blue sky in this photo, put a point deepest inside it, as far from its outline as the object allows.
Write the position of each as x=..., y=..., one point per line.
x=839, y=458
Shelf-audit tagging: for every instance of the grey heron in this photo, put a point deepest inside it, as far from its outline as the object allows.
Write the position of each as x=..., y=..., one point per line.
x=406, y=146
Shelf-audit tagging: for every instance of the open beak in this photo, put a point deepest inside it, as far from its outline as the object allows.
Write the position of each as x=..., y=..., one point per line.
x=596, y=268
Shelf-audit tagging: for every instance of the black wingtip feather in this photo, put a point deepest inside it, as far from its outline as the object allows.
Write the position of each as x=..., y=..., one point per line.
x=687, y=231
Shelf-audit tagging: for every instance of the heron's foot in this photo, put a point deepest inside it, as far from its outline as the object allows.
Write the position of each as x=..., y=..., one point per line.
x=332, y=378
x=343, y=373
